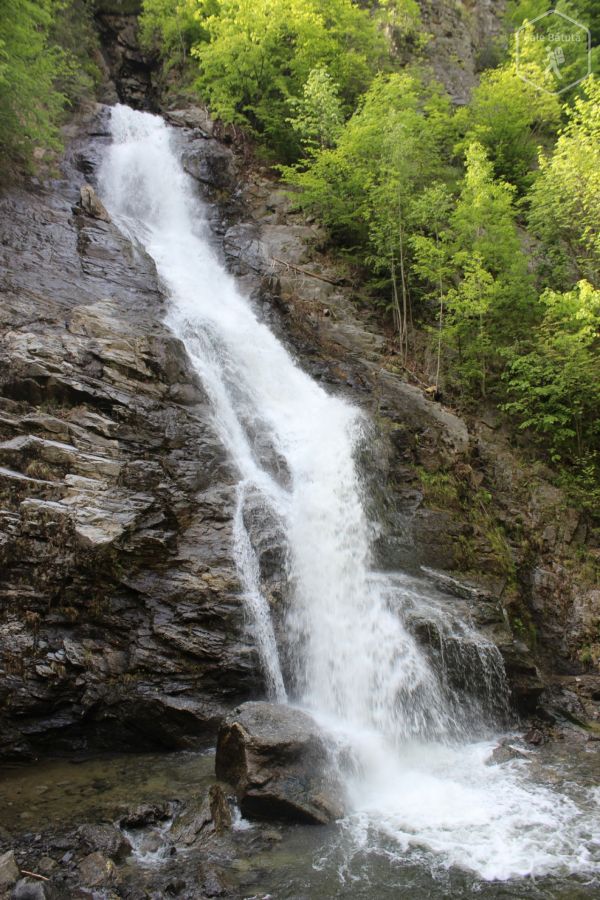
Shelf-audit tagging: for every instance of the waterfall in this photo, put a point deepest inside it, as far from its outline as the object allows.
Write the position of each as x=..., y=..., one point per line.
x=354, y=662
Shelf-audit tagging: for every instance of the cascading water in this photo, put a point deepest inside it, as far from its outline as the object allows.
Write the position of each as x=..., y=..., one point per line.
x=418, y=780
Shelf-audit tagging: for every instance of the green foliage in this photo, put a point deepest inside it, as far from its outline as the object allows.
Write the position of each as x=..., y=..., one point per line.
x=394, y=135
x=30, y=106
x=175, y=26
x=74, y=32
x=260, y=54
x=364, y=189
x=402, y=22
x=555, y=386
x=585, y=11
x=432, y=253
x=565, y=200
x=427, y=199
x=47, y=51
x=468, y=329
x=475, y=263
x=318, y=116
x=440, y=489
x=510, y=118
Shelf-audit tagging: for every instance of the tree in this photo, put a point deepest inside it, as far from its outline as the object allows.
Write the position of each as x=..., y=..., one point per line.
x=511, y=117
x=554, y=382
x=261, y=53
x=475, y=263
x=432, y=252
x=565, y=199
x=30, y=106
x=318, y=115
x=413, y=134
x=175, y=25
x=469, y=330
x=392, y=147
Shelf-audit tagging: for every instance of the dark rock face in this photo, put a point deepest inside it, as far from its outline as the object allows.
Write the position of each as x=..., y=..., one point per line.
x=277, y=760
x=121, y=622
x=209, y=162
x=128, y=67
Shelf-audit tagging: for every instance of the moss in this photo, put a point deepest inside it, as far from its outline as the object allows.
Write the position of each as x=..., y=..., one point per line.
x=524, y=628
x=440, y=489
x=445, y=490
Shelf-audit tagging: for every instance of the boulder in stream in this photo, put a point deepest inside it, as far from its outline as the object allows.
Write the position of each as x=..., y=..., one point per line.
x=277, y=760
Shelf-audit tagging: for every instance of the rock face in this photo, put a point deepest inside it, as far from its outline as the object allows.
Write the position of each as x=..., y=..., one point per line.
x=466, y=39
x=129, y=68
x=277, y=760
x=121, y=620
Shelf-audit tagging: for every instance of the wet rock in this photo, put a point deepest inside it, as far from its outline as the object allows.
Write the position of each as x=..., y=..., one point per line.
x=523, y=675
x=105, y=839
x=213, y=880
x=96, y=870
x=562, y=705
x=209, y=162
x=30, y=889
x=201, y=818
x=46, y=865
x=534, y=737
x=503, y=753
x=9, y=871
x=277, y=760
x=123, y=618
x=220, y=808
x=147, y=814
x=92, y=204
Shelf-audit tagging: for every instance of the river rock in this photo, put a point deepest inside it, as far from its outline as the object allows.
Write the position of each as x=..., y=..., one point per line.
x=29, y=889
x=96, y=869
x=106, y=839
x=277, y=760
x=9, y=871
x=92, y=204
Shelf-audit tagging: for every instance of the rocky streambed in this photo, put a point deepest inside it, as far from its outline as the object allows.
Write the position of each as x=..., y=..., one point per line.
x=163, y=825
x=160, y=825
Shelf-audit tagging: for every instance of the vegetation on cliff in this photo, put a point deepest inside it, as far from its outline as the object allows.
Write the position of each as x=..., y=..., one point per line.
x=46, y=65
x=479, y=224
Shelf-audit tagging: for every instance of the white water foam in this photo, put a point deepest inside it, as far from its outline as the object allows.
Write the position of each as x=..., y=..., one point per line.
x=356, y=665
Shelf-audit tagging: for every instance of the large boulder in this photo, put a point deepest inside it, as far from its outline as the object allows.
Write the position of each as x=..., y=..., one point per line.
x=277, y=760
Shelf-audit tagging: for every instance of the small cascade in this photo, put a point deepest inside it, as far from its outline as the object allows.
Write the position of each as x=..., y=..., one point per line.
x=256, y=603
